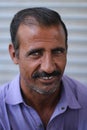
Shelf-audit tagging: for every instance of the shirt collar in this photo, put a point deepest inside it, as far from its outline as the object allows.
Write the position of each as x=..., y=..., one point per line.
x=14, y=96
x=67, y=98
x=70, y=94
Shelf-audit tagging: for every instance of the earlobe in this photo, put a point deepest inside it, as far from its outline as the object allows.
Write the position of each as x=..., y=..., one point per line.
x=13, y=54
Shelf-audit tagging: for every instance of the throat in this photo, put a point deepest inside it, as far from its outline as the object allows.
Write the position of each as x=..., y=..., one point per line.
x=46, y=106
x=43, y=104
x=45, y=116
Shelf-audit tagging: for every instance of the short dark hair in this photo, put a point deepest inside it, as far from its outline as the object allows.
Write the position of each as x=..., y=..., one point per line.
x=43, y=16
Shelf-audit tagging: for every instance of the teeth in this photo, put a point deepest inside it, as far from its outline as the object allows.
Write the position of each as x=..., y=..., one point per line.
x=46, y=78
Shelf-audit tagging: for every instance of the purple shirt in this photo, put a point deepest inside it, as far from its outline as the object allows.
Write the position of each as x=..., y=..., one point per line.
x=69, y=114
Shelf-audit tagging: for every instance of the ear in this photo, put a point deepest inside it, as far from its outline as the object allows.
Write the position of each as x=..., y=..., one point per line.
x=13, y=54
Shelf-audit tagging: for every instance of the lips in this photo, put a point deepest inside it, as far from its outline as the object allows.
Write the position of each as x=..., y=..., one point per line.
x=48, y=80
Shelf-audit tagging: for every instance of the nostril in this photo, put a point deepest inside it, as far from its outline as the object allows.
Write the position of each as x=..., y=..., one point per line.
x=48, y=67
x=48, y=63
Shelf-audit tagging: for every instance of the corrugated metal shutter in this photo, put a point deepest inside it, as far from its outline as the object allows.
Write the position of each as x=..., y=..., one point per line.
x=75, y=16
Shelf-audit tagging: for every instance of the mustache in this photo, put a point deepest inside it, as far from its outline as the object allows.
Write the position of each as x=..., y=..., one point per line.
x=45, y=74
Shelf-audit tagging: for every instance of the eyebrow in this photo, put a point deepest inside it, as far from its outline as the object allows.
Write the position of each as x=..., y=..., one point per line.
x=59, y=48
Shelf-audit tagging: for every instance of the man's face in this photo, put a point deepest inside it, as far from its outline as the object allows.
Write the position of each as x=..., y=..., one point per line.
x=42, y=57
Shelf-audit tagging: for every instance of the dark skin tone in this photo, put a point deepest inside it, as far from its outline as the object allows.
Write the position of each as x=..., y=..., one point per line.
x=41, y=49
x=46, y=106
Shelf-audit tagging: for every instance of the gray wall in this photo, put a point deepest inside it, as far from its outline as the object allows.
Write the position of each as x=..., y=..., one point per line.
x=74, y=14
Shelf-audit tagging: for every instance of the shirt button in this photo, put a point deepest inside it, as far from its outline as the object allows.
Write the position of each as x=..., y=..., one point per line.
x=62, y=108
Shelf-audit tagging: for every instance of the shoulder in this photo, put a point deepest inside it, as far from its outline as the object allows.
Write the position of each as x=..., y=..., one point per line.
x=3, y=111
x=78, y=89
x=3, y=90
x=74, y=84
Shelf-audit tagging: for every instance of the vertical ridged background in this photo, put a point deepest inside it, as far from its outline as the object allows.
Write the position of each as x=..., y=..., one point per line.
x=74, y=15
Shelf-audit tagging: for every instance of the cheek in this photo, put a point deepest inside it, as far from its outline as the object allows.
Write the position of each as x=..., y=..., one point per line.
x=61, y=63
x=28, y=67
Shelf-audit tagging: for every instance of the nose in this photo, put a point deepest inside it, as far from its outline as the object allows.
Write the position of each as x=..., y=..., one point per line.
x=48, y=64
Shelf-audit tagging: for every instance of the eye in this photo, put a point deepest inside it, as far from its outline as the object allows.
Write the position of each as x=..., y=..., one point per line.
x=34, y=53
x=58, y=51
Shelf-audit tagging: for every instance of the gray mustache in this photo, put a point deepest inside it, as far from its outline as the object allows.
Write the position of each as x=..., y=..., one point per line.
x=44, y=74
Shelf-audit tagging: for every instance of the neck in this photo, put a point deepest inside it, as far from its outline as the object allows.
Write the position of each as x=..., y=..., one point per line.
x=43, y=104
x=39, y=101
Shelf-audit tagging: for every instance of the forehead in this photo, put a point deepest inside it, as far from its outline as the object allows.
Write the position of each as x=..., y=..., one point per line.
x=36, y=35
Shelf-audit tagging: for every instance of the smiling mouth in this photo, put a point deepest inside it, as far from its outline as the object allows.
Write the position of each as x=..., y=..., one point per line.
x=47, y=78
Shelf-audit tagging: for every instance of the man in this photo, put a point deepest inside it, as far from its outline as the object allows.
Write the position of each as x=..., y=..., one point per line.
x=41, y=97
